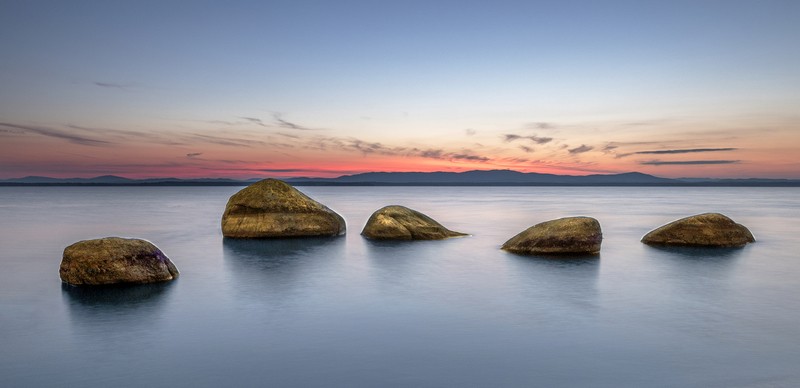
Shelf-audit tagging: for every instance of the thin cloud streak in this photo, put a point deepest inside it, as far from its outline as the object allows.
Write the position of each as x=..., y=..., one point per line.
x=677, y=151
x=579, y=150
x=54, y=133
x=110, y=85
x=117, y=133
x=540, y=125
x=687, y=162
x=288, y=124
x=227, y=141
x=283, y=170
x=254, y=120
x=509, y=137
x=366, y=148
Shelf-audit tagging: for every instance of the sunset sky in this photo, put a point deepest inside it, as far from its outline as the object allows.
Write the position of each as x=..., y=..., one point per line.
x=325, y=88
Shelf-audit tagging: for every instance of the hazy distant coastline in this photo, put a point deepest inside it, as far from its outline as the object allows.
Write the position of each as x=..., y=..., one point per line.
x=467, y=178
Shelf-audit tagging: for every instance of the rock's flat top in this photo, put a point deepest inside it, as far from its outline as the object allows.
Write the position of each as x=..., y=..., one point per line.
x=570, y=235
x=401, y=223
x=707, y=230
x=272, y=208
x=113, y=260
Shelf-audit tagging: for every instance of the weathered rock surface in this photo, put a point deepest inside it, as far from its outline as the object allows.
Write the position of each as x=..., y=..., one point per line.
x=402, y=223
x=114, y=260
x=571, y=235
x=704, y=230
x=271, y=208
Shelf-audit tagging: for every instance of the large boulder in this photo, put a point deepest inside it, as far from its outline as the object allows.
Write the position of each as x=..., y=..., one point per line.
x=271, y=208
x=703, y=230
x=114, y=260
x=571, y=235
x=402, y=223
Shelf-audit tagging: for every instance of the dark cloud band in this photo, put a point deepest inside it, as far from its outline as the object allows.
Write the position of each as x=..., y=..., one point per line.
x=684, y=151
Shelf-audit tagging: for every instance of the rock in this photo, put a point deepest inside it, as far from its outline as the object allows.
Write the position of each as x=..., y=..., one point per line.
x=571, y=235
x=402, y=223
x=271, y=208
x=114, y=260
x=704, y=230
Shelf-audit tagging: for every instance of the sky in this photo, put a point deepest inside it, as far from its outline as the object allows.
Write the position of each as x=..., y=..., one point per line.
x=247, y=89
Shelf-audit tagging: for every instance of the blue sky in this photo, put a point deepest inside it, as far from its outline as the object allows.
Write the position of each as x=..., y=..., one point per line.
x=449, y=76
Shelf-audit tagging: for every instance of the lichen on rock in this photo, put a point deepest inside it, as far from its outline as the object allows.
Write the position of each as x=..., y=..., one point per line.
x=115, y=260
x=703, y=230
x=401, y=223
x=570, y=235
x=272, y=208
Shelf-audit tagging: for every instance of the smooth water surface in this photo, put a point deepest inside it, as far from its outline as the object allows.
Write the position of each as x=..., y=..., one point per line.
x=346, y=311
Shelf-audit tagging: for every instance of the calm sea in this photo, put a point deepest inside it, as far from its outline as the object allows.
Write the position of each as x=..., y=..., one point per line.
x=347, y=312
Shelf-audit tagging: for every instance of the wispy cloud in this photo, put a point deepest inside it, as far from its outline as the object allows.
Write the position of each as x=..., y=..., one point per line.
x=432, y=153
x=514, y=160
x=540, y=125
x=118, y=133
x=227, y=141
x=288, y=124
x=509, y=137
x=221, y=122
x=469, y=157
x=254, y=120
x=438, y=153
x=579, y=150
x=526, y=148
x=376, y=148
x=470, y=132
x=686, y=162
x=685, y=151
x=676, y=151
x=646, y=123
x=610, y=147
x=111, y=85
x=303, y=170
x=59, y=134
x=298, y=170
x=195, y=157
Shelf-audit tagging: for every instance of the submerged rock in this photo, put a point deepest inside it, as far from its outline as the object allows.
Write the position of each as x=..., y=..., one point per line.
x=114, y=260
x=704, y=230
x=571, y=235
x=402, y=223
x=272, y=208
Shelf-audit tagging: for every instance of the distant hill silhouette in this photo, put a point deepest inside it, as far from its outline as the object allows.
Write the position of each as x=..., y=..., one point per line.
x=486, y=177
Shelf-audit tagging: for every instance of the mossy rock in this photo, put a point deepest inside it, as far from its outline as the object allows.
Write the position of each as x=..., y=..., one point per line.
x=564, y=236
x=115, y=260
x=702, y=230
x=401, y=223
x=272, y=208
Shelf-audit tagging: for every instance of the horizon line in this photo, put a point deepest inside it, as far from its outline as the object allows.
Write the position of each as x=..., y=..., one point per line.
x=385, y=172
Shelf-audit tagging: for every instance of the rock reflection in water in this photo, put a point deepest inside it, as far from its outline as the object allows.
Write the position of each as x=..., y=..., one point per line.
x=116, y=311
x=276, y=267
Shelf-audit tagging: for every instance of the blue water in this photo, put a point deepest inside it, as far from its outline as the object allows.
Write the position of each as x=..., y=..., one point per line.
x=350, y=312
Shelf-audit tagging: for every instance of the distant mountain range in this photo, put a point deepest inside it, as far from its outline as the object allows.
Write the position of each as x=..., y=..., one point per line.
x=467, y=178
x=484, y=177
